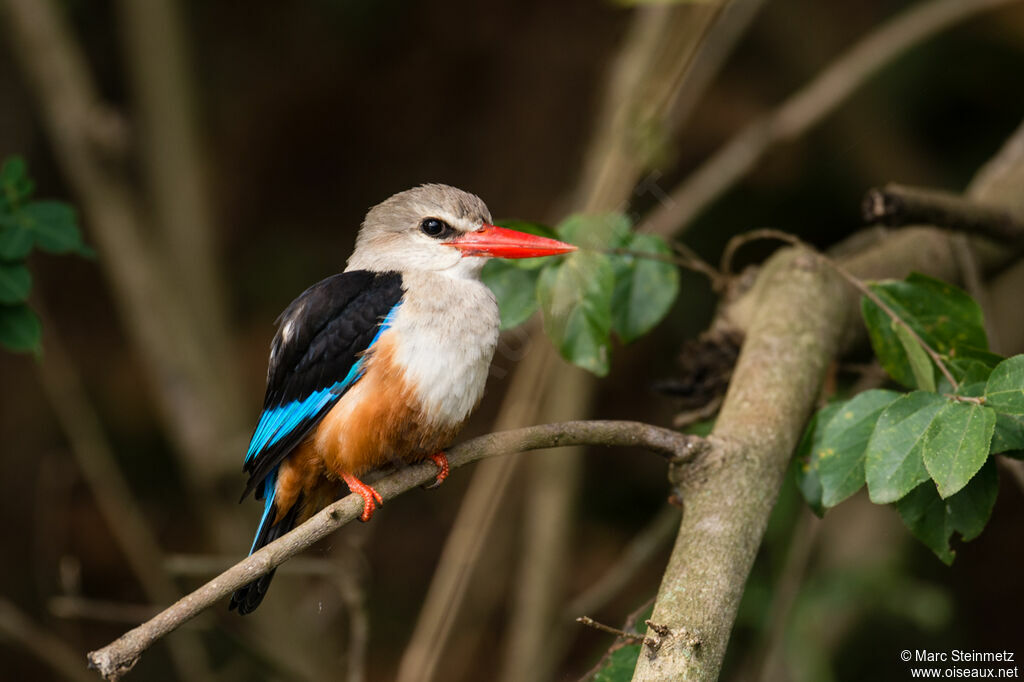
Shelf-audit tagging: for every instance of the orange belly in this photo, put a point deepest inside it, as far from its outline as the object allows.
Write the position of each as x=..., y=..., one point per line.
x=379, y=420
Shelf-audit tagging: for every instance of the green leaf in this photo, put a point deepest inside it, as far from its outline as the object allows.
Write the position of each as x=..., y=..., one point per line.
x=956, y=444
x=970, y=370
x=645, y=289
x=618, y=666
x=576, y=299
x=1008, y=435
x=886, y=345
x=949, y=317
x=806, y=462
x=601, y=231
x=893, y=464
x=945, y=317
x=529, y=228
x=986, y=357
x=15, y=282
x=840, y=455
x=54, y=225
x=15, y=185
x=515, y=289
x=15, y=239
x=920, y=364
x=1004, y=391
x=933, y=520
x=19, y=328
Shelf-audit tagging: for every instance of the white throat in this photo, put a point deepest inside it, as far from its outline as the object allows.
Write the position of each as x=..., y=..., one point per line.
x=446, y=330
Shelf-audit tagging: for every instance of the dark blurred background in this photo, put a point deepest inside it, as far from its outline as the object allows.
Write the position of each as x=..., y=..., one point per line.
x=307, y=113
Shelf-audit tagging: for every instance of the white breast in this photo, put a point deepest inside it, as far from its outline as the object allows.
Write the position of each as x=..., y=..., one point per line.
x=445, y=332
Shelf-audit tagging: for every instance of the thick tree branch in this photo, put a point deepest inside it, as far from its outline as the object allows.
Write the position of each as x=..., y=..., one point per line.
x=897, y=205
x=791, y=339
x=118, y=657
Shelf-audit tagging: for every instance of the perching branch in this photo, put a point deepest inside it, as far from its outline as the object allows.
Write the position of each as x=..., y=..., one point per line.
x=897, y=205
x=119, y=657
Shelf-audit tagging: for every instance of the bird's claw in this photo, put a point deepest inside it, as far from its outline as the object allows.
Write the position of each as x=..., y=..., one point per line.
x=440, y=460
x=371, y=498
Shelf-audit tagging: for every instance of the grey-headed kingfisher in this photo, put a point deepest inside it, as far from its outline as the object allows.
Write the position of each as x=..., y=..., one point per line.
x=383, y=362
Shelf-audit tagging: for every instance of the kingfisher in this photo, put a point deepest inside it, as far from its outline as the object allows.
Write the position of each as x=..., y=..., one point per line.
x=381, y=363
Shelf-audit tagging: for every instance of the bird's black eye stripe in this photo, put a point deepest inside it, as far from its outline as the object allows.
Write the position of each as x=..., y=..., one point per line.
x=436, y=228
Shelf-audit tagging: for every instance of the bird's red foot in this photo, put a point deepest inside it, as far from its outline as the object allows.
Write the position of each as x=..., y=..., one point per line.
x=371, y=498
x=441, y=461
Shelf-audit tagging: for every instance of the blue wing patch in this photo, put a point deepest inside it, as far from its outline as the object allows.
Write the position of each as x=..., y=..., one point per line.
x=270, y=492
x=278, y=422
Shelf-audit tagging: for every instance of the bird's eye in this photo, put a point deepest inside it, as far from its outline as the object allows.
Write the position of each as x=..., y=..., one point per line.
x=438, y=229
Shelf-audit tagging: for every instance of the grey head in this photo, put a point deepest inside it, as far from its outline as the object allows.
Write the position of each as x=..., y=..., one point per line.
x=412, y=231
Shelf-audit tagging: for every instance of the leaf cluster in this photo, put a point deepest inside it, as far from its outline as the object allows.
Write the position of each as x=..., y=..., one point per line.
x=26, y=225
x=929, y=450
x=589, y=295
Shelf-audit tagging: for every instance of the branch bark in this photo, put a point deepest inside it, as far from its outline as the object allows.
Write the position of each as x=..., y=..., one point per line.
x=117, y=658
x=788, y=346
x=897, y=205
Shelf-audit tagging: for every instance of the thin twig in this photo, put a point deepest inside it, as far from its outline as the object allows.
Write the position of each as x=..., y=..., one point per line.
x=807, y=107
x=118, y=657
x=631, y=637
x=898, y=205
x=630, y=624
x=686, y=259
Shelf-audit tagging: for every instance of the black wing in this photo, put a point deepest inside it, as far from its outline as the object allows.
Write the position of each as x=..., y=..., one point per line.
x=315, y=357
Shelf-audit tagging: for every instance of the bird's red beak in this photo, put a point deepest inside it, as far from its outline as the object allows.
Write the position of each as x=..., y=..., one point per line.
x=500, y=242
